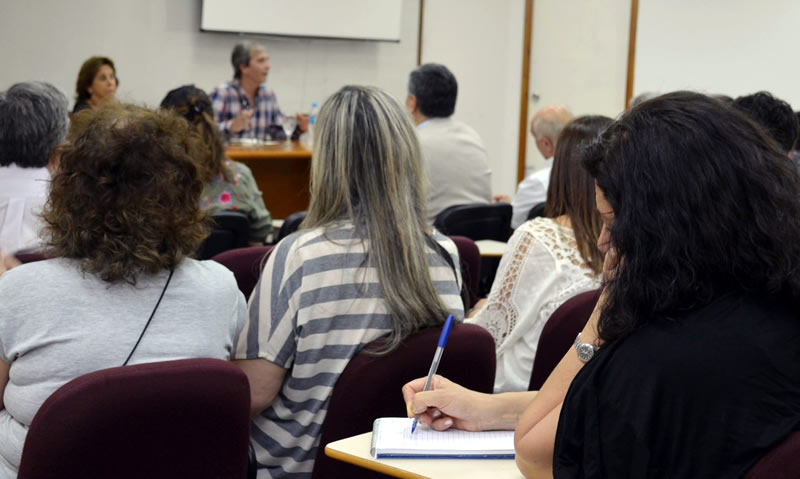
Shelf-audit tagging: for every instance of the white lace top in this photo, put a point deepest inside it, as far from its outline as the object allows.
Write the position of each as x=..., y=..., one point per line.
x=541, y=269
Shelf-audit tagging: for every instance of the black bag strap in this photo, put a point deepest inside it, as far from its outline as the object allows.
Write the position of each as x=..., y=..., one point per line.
x=449, y=259
x=150, y=319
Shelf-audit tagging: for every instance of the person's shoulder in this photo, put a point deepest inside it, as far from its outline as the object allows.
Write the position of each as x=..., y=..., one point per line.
x=267, y=89
x=298, y=243
x=206, y=272
x=240, y=168
x=537, y=224
x=38, y=274
x=222, y=88
x=542, y=175
x=444, y=241
x=463, y=128
x=79, y=105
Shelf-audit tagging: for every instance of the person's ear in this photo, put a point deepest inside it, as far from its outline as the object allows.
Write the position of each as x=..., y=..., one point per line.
x=411, y=103
x=548, y=148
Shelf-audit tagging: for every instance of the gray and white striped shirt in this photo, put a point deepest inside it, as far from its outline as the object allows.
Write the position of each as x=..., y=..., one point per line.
x=315, y=306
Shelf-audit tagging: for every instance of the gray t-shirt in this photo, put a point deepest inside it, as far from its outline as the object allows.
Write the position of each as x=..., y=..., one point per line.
x=57, y=324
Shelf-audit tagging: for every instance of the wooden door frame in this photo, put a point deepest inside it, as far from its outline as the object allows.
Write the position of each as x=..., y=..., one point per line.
x=634, y=23
x=524, y=100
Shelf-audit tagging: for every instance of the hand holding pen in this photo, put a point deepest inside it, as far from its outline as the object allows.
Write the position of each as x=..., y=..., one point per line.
x=437, y=357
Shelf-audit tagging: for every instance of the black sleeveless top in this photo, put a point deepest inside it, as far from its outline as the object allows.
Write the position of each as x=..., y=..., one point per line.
x=703, y=395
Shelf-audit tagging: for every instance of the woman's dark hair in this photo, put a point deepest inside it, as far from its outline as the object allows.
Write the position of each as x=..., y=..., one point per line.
x=125, y=198
x=571, y=189
x=704, y=204
x=87, y=73
x=194, y=105
x=772, y=114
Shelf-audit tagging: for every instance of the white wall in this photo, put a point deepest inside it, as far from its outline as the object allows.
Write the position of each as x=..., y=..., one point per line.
x=157, y=45
x=481, y=43
x=579, y=57
x=733, y=47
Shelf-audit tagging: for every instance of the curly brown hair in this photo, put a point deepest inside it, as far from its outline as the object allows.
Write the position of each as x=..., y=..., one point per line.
x=125, y=199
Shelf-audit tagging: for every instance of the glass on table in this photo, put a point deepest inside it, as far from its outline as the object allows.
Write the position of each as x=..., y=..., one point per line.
x=289, y=125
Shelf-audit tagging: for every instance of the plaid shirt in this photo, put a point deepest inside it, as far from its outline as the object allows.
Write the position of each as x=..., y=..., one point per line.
x=228, y=101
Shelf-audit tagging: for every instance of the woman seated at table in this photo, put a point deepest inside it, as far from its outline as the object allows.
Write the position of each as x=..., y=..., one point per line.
x=97, y=84
x=122, y=220
x=362, y=267
x=548, y=261
x=692, y=356
x=232, y=186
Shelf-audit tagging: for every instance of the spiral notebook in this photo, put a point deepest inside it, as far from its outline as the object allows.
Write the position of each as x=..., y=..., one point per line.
x=392, y=437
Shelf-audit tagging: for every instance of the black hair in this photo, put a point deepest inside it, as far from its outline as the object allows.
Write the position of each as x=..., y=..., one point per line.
x=773, y=114
x=194, y=99
x=436, y=90
x=704, y=204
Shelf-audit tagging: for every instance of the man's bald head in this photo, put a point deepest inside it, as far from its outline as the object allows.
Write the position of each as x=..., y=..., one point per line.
x=546, y=125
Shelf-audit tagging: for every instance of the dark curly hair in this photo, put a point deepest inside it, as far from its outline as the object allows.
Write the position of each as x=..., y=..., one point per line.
x=705, y=204
x=773, y=114
x=194, y=105
x=571, y=188
x=436, y=90
x=125, y=199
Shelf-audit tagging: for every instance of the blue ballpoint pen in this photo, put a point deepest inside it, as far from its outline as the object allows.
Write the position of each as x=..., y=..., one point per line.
x=436, y=358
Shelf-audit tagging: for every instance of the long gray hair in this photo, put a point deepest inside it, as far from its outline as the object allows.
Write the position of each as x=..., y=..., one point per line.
x=366, y=169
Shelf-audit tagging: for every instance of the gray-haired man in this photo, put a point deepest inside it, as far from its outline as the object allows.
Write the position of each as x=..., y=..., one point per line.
x=246, y=107
x=33, y=123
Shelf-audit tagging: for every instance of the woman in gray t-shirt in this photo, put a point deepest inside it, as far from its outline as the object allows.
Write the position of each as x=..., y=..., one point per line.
x=121, y=221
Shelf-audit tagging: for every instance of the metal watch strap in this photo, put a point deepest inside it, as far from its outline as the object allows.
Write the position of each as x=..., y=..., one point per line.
x=585, y=350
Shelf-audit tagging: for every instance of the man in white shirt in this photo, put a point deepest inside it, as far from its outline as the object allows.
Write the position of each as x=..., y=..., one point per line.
x=33, y=123
x=456, y=163
x=546, y=125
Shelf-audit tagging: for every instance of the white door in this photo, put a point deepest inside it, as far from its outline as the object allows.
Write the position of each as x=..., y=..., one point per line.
x=579, y=57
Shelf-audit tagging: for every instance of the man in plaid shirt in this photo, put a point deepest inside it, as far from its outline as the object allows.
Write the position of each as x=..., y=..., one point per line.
x=246, y=107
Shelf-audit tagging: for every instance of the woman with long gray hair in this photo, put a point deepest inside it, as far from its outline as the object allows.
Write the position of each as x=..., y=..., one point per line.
x=363, y=266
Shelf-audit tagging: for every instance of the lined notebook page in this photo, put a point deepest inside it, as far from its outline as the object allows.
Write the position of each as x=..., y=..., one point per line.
x=392, y=437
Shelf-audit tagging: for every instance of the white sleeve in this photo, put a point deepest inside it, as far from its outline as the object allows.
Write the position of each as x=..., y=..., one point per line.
x=530, y=193
x=523, y=283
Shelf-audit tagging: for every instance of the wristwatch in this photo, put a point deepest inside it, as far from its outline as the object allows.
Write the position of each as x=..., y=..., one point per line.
x=585, y=350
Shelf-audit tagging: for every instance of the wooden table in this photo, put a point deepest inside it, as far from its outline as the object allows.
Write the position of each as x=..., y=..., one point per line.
x=355, y=450
x=282, y=173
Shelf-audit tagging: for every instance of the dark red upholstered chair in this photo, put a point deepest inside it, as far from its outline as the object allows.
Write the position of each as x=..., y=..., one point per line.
x=558, y=335
x=246, y=264
x=470, y=258
x=187, y=418
x=370, y=386
x=783, y=462
x=30, y=256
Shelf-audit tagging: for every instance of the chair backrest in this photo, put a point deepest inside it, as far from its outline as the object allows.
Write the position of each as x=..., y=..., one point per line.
x=31, y=256
x=370, y=386
x=782, y=462
x=476, y=221
x=231, y=230
x=245, y=263
x=536, y=211
x=558, y=335
x=291, y=224
x=470, y=258
x=186, y=418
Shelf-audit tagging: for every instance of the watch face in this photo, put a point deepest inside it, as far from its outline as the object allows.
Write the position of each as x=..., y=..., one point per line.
x=585, y=351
